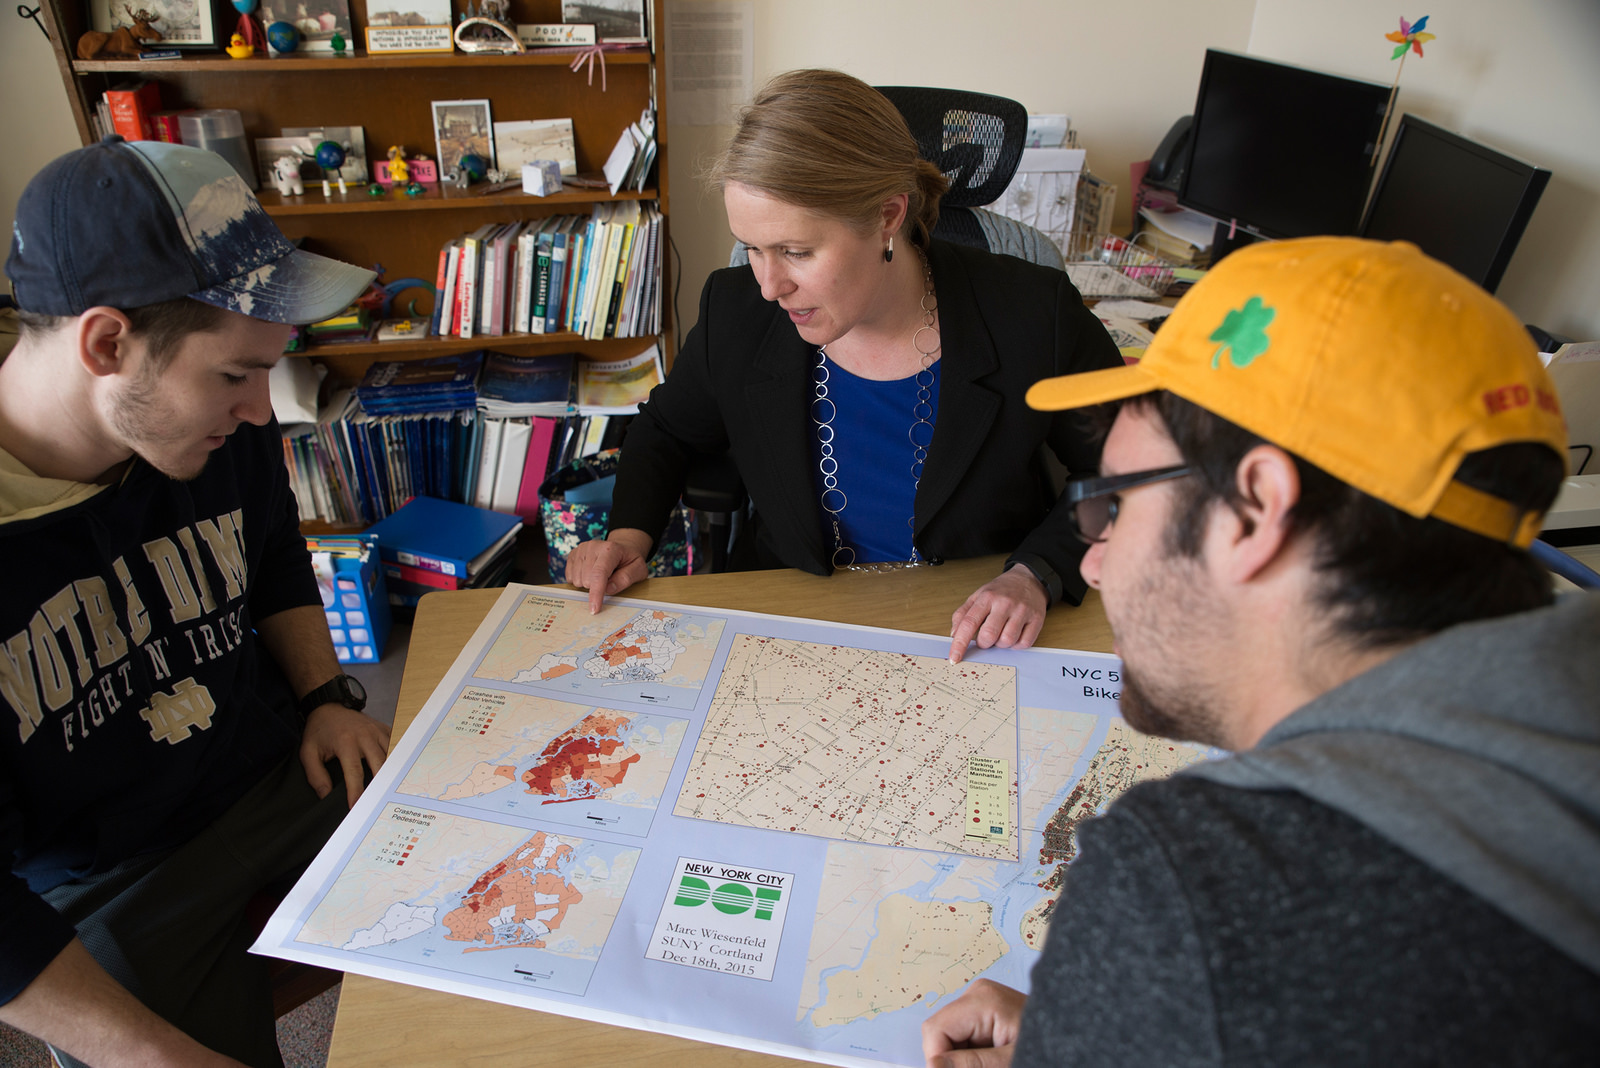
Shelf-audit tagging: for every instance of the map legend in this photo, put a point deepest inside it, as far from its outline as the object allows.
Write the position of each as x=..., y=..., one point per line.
x=988, y=798
x=475, y=712
x=401, y=841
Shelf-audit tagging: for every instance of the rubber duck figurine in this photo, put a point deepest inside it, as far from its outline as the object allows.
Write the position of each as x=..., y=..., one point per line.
x=238, y=49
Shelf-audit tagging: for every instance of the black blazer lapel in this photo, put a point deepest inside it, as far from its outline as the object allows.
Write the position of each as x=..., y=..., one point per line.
x=777, y=417
x=967, y=410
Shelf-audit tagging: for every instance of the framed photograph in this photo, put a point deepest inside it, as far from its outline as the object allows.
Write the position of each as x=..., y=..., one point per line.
x=269, y=149
x=526, y=140
x=317, y=21
x=409, y=26
x=460, y=127
x=614, y=20
x=352, y=139
x=182, y=23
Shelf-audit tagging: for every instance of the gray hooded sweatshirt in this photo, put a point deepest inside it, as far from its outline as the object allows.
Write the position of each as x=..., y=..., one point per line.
x=1404, y=871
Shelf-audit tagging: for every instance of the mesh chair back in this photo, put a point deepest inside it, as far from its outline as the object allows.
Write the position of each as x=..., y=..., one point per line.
x=975, y=139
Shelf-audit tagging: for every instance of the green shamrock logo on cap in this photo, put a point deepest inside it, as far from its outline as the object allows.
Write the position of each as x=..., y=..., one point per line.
x=1244, y=333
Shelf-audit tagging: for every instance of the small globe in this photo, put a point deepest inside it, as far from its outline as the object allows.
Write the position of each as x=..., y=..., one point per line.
x=283, y=37
x=244, y=7
x=474, y=166
x=330, y=155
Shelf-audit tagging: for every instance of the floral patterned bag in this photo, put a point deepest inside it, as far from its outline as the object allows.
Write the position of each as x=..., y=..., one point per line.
x=567, y=523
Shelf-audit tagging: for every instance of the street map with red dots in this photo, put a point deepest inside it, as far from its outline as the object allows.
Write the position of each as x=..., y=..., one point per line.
x=762, y=831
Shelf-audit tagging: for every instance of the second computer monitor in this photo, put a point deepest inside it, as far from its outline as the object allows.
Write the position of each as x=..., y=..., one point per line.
x=1459, y=201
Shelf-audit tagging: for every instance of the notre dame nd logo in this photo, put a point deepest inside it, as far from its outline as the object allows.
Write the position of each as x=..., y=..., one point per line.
x=174, y=716
x=731, y=898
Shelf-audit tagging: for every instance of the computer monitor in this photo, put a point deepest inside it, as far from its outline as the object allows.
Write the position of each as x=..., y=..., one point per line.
x=1458, y=201
x=1279, y=150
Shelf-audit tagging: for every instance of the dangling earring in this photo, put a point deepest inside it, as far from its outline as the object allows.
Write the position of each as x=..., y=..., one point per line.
x=888, y=253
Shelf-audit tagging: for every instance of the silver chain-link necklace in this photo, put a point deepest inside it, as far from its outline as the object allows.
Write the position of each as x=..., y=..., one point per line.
x=823, y=410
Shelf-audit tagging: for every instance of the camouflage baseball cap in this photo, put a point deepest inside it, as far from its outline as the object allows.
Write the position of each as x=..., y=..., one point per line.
x=129, y=223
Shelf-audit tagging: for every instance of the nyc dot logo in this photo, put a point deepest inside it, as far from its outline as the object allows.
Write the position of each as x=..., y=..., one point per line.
x=731, y=899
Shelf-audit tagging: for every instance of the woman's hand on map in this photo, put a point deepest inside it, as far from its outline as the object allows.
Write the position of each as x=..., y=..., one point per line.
x=976, y=1030
x=1007, y=612
x=611, y=566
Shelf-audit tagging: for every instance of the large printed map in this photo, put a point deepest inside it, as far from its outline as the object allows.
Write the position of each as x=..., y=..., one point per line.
x=657, y=656
x=451, y=890
x=579, y=765
x=852, y=744
x=745, y=829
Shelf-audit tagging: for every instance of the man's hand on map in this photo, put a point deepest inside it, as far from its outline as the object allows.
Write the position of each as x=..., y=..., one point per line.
x=611, y=566
x=1007, y=612
x=976, y=1030
x=334, y=732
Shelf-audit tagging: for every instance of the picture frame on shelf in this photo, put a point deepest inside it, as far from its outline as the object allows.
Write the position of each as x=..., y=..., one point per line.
x=395, y=26
x=525, y=140
x=352, y=139
x=617, y=21
x=318, y=21
x=186, y=25
x=461, y=127
x=270, y=149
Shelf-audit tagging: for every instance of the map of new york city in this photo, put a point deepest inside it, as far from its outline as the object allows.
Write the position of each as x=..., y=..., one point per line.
x=851, y=744
x=767, y=832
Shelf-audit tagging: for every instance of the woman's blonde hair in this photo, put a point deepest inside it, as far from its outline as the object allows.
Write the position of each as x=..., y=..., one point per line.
x=830, y=143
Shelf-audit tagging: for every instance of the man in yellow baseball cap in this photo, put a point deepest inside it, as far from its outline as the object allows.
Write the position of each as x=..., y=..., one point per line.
x=1310, y=536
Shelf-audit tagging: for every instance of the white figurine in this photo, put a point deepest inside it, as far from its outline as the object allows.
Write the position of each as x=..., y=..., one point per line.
x=286, y=173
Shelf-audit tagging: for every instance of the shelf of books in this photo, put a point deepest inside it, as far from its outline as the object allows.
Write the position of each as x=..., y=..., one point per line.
x=573, y=280
x=481, y=427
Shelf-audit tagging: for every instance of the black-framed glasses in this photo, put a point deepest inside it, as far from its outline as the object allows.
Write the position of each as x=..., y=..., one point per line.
x=1095, y=500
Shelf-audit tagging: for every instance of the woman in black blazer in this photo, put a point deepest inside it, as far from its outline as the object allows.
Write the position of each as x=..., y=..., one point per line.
x=867, y=381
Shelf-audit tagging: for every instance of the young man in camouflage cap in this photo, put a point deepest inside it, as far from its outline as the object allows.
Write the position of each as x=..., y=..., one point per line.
x=182, y=726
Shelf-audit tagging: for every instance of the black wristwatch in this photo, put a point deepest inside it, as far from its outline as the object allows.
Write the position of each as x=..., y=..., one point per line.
x=1041, y=570
x=341, y=689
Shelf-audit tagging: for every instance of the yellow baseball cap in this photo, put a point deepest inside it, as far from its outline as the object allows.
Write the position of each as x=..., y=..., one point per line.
x=1370, y=360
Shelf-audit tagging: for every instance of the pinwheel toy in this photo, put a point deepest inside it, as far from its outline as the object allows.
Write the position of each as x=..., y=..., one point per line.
x=1409, y=38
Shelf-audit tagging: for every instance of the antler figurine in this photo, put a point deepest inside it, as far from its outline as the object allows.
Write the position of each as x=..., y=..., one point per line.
x=124, y=41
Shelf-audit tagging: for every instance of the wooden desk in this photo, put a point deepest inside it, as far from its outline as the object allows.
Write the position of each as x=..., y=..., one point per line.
x=385, y=1024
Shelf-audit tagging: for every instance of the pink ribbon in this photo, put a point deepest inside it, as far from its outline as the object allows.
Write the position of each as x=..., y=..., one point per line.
x=588, y=54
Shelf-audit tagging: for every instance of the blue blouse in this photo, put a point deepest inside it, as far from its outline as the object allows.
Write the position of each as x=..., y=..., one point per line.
x=871, y=425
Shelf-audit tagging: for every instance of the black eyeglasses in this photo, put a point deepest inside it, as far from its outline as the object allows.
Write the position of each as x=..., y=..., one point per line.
x=1094, y=500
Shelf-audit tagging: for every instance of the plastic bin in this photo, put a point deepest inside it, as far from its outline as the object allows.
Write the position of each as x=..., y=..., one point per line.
x=220, y=130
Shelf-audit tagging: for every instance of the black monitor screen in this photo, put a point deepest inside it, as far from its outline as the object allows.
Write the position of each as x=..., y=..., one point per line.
x=1284, y=152
x=1459, y=201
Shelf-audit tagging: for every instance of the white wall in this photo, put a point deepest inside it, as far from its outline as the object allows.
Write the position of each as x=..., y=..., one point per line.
x=1123, y=71
x=37, y=122
x=1521, y=77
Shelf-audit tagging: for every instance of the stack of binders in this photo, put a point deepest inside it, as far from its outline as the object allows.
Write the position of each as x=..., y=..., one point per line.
x=431, y=544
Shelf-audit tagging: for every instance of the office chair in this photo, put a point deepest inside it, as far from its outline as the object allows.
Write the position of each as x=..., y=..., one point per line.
x=976, y=141
x=1559, y=563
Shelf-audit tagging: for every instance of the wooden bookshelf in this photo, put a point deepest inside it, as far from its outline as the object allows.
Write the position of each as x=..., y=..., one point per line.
x=389, y=97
